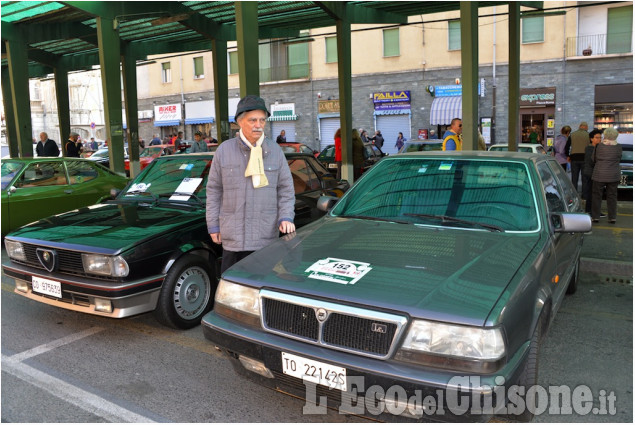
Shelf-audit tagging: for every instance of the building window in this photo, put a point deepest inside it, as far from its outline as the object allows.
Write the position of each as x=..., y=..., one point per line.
x=620, y=30
x=331, y=49
x=532, y=29
x=233, y=62
x=454, y=35
x=391, y=42
x=166, y=72
x=198, y=68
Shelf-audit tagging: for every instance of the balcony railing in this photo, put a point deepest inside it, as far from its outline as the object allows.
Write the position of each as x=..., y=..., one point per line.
x=599, y=44
x=289, y=72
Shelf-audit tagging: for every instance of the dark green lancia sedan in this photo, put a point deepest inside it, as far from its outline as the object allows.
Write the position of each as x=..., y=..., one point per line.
x=423, y=293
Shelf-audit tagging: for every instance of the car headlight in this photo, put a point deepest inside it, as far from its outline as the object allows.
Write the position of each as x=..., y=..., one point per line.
x=453, y=346
x=105, y=265
x=238, y=302
x=15, y=250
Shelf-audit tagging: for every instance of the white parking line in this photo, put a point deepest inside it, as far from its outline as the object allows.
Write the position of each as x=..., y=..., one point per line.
x=54, y=344
x=63, y=390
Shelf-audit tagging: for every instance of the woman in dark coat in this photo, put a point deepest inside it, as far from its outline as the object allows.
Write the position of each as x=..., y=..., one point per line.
x=606, y=174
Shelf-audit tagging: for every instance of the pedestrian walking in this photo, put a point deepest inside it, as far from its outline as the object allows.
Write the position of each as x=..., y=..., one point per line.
x=378, y=139
x=606, y=175
x=587, y=173
x=576, y=145
x=250, y=195
x=282, y=138
x=400, y=141
x=338, y=152
x=560, y=144
x=451, y=138
x=46, y=146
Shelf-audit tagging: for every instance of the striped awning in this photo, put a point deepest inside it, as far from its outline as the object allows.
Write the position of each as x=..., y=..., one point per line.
x=202, y=120
x=282, y=118
x=166, y=123
x=444, y=109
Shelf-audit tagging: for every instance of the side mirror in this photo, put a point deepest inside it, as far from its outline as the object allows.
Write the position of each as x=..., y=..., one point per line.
x=114, y=193
x=12, y=189
x=571, y=222
x=325, y=203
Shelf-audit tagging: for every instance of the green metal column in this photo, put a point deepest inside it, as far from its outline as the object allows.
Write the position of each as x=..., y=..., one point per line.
x=20, y=94
x=343, y=27
x=129, y=66
x=221, y=89
x=63, y=104
x=109, y=60
x=7, y=100
x=514, y=76
x=247, y=39
x=469, y=73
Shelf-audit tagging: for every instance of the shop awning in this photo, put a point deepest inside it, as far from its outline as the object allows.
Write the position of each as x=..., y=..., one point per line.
x=282, y=118
x=201, y=120
x=166, y=123
x=444, y=109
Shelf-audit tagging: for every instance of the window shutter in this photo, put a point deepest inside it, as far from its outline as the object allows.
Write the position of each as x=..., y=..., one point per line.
x=620, y=30
x=391, y=42
x=331, y=49
x=533, y=29
x=454, y=35
x=233, y=62
x=298, y=60
x=198, y=67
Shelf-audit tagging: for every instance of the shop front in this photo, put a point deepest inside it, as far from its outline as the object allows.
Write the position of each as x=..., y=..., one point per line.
x=537, y=116
x=199, y=116
x=392, y=116
x=283, y=117
x=167, y=118
x=614, y=108
x=328, y=121
x=446, y=106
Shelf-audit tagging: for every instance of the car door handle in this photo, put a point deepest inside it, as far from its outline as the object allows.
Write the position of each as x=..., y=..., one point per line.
x=68, y=191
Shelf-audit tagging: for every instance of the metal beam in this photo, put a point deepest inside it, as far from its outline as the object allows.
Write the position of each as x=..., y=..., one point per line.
x=358, y=14
x=514, y=77
x=109, y=58
x=247, y=34
x=129, y=68
x=63, y=104
x=43, y=57
x=7, y=100
x=344, y=78
x=18, y=72
x=469, y=73
x=221, y=89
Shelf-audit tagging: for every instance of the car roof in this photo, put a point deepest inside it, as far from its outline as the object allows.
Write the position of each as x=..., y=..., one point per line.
x=46, y=158
x=479, y=155
x=525, y=145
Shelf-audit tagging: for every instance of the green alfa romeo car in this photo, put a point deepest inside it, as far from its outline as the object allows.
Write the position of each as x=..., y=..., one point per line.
x=35, y=188
x=425, y=291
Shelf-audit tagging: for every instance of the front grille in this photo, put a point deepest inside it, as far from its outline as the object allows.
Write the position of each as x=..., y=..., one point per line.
x=345, y=328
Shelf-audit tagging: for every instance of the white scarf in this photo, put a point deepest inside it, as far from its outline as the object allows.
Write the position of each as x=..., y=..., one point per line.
x=255, y=166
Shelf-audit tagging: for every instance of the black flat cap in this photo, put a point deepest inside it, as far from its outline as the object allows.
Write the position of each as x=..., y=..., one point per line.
x=251, y=103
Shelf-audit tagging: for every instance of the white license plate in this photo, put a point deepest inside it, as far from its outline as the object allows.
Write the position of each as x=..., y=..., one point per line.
x=332, y=165
x=314, y=371
x=46, y=286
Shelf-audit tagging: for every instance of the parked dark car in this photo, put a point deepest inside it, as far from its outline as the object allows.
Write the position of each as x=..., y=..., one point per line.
x=290, y=147
x=372, y=154
x=626, y=165
x=415, y=145
x=101, y=156
x=146, y=250
x=434, y=266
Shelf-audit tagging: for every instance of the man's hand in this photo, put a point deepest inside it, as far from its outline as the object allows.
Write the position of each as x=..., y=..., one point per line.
x=215, y=238
x=287, y=227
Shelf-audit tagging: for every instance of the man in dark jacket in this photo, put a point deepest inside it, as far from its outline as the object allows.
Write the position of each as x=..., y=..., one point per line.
x=378, y=139
x=46, y=146
x=576, y=145
x=73, y=148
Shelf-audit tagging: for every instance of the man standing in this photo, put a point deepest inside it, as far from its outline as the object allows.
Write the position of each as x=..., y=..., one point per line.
x=199, y=144
x=250, y=195
x=282, y=138
x=179, y=139
x=46, y=146
x=73, y=148
x=576, y=145
x=378, y=139
x=155, y=140
x=451, y=138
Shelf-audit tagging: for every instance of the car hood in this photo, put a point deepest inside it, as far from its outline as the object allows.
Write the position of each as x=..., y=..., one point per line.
x=109, y=228
x=442, y=274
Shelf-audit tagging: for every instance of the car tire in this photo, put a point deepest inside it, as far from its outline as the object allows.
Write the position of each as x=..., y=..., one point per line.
x=529, y=375
x=187, y=293
x=573, y=282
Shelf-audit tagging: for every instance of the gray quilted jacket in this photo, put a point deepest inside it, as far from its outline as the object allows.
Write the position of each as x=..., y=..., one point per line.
x=248, y=218
x=607, y=163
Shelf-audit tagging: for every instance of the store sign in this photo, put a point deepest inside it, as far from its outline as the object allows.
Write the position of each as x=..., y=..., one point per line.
x=284, y=109
x=545, y=96
x=167, y=112
x=328, y=106
x=457, y=90
x=391, y=100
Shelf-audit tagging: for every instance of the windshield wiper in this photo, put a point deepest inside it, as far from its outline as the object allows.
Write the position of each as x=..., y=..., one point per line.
x=155, y=198
x=199, y=200
x=445, y=218
x=366, y=217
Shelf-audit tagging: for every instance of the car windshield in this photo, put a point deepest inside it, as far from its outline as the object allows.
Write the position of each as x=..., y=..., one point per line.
x=415, y=146
x=180, y=179
x=627, y=154
x=288, y=149
x=445, y=192
x=9, y=170
x=152, y=151
x=101, y=153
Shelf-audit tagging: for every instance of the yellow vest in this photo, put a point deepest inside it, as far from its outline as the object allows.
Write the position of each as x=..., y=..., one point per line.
x=456, y=139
